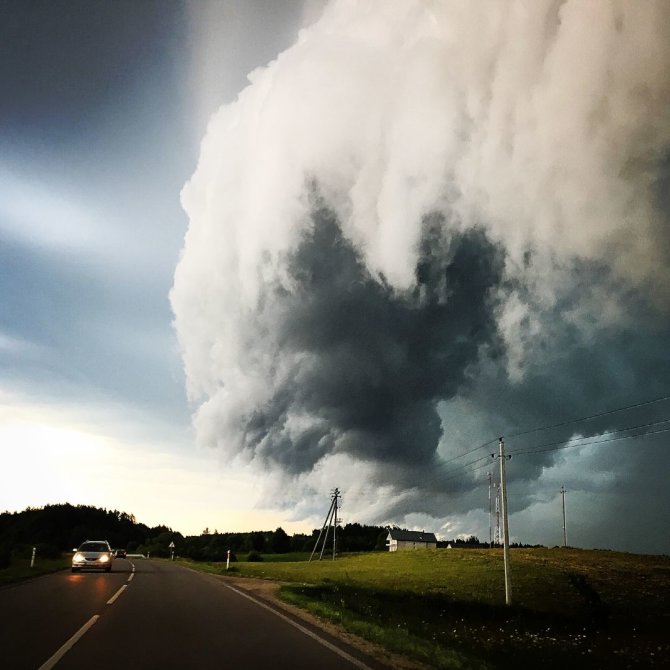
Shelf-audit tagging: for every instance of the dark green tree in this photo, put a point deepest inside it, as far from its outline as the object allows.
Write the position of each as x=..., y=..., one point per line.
x=280, y=542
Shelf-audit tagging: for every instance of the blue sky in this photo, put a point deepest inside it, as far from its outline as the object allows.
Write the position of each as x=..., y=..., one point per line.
x=96, y=141
x=103, y=110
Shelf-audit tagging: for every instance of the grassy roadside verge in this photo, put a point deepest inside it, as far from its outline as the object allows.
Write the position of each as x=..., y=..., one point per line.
x=446, y=607
x=20, y=570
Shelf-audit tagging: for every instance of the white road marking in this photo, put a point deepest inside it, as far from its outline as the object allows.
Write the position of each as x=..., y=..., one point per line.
x=306, y=631
x=117, y=594
x=69, y=644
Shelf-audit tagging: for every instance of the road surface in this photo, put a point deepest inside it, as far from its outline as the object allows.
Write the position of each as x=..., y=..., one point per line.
x=156, y=615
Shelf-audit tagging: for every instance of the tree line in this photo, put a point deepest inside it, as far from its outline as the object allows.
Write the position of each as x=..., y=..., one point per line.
x=56, y=528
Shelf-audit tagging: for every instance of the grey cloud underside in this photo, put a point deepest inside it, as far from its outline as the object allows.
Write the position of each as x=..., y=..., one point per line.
x=370, y=364
x=632, y=471
x=383, y=345
x=569, y=376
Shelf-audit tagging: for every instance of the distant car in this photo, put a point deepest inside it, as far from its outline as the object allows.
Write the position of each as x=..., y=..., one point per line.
x=93, y=555
x=119, y=553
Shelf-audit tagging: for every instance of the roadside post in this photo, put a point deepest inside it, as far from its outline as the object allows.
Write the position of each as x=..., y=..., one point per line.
x=32, y=560
x=228, y=560
x=171, y=545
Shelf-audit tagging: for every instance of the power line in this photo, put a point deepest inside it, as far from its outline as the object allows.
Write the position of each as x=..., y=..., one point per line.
x=592, y=416
x=455, y=472
x=539, y=447
x=586, y=444
x=470, y=451
x=484, y=461
x=556, y=425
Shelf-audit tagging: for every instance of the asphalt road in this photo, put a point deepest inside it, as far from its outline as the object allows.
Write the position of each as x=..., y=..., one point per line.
x=161, y=616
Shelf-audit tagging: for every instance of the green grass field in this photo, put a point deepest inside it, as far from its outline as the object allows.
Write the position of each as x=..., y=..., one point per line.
x=446, y=607
x=20, y=569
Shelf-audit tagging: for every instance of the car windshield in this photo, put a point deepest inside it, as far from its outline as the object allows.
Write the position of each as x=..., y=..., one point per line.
x=93, y=546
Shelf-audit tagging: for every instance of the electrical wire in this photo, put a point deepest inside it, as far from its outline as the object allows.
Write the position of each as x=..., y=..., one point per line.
x=539, y=447
x=455, y=472
x=470, y=451
x=586, y=444
x=588, y=418
x=556, y=425
x=553, y=446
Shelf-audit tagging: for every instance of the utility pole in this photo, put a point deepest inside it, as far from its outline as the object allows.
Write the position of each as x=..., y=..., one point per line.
x=496, y=536
x=331, y=518
x=318, y=539
x=565, y=530
x=503, y=486
x=329, y=522
x=336, y=495
x=490, y=530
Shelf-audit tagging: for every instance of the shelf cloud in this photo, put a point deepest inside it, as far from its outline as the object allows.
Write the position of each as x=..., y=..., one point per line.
x=424, y=225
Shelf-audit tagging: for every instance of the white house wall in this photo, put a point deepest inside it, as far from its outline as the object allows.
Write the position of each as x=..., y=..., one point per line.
x=400, y=545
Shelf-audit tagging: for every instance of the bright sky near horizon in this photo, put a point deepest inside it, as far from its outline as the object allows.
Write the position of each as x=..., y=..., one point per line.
x=252, y=250
x=103, y=109
x=63, y=456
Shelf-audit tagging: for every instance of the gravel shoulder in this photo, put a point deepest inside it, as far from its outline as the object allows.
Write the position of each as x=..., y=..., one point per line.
x=268, y=592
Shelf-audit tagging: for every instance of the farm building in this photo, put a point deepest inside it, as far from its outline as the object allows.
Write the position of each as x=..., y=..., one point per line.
x=399, y=540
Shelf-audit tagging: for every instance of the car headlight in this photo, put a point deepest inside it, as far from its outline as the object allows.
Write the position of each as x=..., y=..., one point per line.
x=104, y=558
x=78, y=558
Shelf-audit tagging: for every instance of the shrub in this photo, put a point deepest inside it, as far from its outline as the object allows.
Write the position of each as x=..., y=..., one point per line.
x=45, y=550
x=254, y=557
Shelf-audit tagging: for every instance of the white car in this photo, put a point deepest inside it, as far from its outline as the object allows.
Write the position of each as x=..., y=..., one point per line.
x=93, y=555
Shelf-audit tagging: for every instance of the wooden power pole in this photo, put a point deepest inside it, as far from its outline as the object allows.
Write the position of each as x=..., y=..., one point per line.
x=565, y=530
x=331, y=520
x=503, y=489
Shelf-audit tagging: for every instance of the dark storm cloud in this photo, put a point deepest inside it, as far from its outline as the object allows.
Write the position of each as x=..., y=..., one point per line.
x=389, y=344
x=371, y=362
x=572, y=374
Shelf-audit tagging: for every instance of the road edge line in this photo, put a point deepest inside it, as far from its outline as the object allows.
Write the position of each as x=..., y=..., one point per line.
x=51, y=662
x=301, y=628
